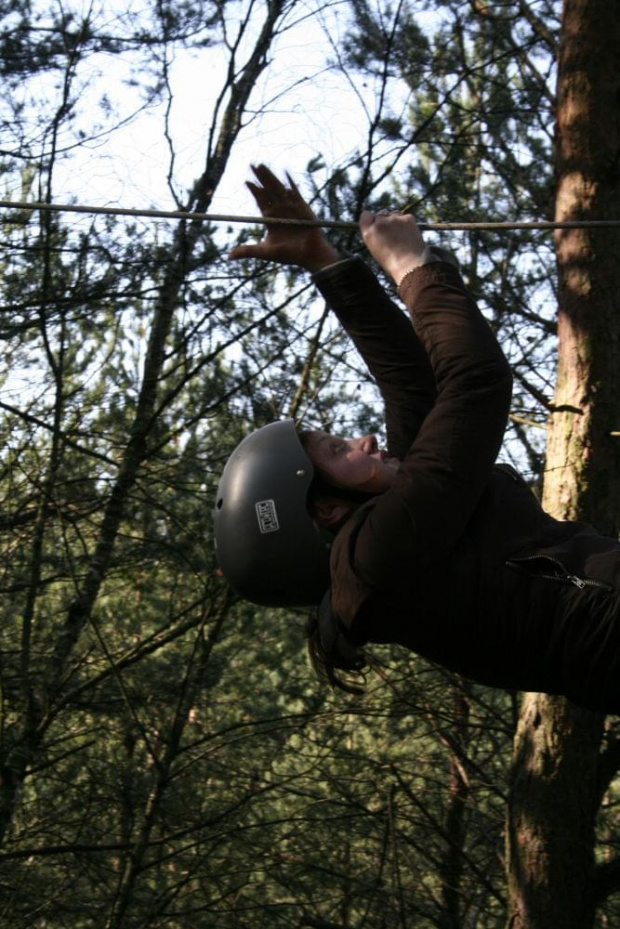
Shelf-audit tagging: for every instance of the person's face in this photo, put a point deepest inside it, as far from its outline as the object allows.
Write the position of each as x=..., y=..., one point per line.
x=357, y=464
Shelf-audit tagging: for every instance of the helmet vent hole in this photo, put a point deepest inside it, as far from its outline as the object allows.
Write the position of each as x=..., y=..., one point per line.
x=220, y=503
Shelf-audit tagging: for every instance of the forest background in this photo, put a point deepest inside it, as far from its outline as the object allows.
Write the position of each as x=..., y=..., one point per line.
x=167, y=757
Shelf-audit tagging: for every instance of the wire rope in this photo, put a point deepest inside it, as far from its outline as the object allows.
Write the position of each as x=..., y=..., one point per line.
x=181, y=215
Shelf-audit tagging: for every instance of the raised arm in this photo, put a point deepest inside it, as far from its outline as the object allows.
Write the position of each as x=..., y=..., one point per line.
x=442, y=477
x=386, y=340
x=379, y=330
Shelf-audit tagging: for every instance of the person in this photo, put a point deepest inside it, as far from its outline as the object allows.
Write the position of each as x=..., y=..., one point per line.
x=429, y=544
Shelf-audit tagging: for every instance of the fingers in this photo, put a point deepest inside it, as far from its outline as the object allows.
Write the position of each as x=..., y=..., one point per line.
x=268, y=179
x=260, y=195
x=365, y=221
x=394, y=240
x=389, y=226
x=307, y=248
x=269, y=189
x=292, y=184
x=375, y=226
x=245, y=251
x=275, y=198
x=295, y=193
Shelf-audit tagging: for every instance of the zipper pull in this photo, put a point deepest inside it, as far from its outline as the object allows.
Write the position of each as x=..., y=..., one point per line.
x=577, y=581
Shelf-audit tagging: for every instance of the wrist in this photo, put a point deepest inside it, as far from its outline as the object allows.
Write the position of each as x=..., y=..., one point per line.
x=412, y=263
x=322, y=259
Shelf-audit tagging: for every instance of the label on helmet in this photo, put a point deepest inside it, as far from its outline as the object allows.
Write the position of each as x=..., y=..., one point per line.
x=267, y=516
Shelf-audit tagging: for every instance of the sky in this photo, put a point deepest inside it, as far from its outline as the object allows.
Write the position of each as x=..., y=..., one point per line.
x=309, y=110
x=321, y=114
x=306, y=108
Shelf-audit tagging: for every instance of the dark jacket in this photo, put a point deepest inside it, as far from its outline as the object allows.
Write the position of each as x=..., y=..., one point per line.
x=458, y=561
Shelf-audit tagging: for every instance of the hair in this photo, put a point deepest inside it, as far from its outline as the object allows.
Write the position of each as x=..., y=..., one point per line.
x=325, y=665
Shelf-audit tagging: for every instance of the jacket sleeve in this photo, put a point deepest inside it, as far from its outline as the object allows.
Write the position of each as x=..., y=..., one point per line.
x=441, y=479
x=386, y=340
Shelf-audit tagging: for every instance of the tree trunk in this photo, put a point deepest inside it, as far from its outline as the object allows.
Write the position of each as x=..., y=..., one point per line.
x=452, y=867
x=552, y=805
x=583, y=453
x=554, y=793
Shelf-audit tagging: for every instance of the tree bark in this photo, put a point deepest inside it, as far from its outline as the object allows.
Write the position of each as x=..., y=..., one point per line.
x=551, y=811
x=452, y=867
x=583, y=454
x=554, y=792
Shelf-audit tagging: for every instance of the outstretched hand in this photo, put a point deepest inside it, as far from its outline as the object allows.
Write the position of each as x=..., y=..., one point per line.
x=395, y=241
x=305, y=246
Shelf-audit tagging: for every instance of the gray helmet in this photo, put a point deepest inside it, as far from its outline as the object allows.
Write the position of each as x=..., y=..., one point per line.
x=269, y=549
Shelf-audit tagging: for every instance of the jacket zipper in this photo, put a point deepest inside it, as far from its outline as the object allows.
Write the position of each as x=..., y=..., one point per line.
x=563, y=574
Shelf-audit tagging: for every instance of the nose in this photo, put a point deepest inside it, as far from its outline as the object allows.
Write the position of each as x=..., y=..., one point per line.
x=369, y=444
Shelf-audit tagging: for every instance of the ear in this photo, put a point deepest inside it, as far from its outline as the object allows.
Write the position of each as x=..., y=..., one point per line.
x=330, y=511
